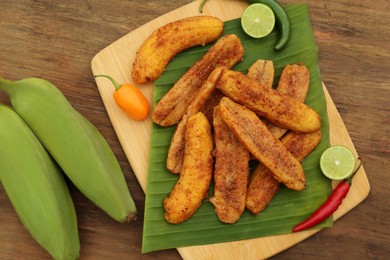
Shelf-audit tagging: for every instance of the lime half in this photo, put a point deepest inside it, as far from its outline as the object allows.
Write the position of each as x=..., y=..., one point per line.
x=337, y=162
x=258, y=20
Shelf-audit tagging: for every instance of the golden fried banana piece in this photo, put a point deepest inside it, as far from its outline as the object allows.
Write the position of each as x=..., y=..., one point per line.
x=231, y=172
x=176, y=149
x=207, y=98
x=195, y=178
x=294, y=82
x=262, y=184
x=261, y=189
x=259, y=141
x=167, y=41
x=277, y=108
x=212, y=102
x=205, y=92
x=175, y=156
x=225, y=53
x=263, y=72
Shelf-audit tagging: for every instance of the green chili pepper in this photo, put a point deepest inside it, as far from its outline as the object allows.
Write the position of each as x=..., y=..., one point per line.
x=281, y=16
x=282, y=20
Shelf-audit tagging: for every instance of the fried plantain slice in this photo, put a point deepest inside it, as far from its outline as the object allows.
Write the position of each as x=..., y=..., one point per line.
x=207, y=98
x=294, y=82
x=175, y=156
x=260, y=142
x=195, y=178
x=262, y=184
x=230, y=174
x=167, y=41
x=176, y=148
x=277, y=108
x=263, y=72
x=225, y=53
x=205, y=93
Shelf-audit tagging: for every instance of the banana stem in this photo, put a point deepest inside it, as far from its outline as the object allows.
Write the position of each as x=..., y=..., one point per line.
x=4, y=84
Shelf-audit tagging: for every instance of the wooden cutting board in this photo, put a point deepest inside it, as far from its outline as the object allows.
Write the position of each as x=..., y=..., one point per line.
x=116, y=60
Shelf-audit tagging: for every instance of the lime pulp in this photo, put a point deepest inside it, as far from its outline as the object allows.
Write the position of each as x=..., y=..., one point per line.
x=258, y=20
x=337, y=162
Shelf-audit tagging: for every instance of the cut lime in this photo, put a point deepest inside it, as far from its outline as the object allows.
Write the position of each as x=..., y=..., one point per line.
x=258, y=20
x=337, y=162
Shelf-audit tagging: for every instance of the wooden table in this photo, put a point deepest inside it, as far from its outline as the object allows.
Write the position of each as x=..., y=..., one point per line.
x=56, y=40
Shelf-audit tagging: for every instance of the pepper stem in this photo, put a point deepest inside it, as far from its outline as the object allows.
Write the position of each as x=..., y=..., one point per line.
x=201, y=6
x=116, y=84
x=349, y=180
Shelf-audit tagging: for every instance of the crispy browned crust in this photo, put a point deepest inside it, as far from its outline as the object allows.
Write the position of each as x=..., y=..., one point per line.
x=262, y=184
x=263, y=72
x=261, y=189
x=277, y=108
x=206, y=95
x=212, y=102
x=259, y=141
x=294, y=82
x=176, y=149
x=231, y=172
x=301, y=145
x=171, y=108
x=167, y=41
x=195, y=178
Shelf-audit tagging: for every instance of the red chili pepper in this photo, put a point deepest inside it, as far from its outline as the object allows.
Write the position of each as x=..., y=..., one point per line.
x=329, y=206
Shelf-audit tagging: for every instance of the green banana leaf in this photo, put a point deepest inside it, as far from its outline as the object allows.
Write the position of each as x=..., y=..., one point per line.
x=288, y=207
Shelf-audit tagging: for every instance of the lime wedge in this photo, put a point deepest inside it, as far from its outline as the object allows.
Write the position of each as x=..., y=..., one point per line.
x=258, y=20
x=337, y=162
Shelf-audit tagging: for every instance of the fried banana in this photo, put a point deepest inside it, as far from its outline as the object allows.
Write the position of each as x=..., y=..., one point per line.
x=225, y=53
x=230, y=174
x=263, y=72
x=259, y=141
x=175, y=156
x=294, y=82
x=176, y=149
x=195, y=178
x=205, y=92
x=167, y=41
x=262, y=184
x=277, y=108
x=212, y=102
x=207, y=98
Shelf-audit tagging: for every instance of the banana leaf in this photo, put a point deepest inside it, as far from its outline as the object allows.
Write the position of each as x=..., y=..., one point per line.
x=288, y=207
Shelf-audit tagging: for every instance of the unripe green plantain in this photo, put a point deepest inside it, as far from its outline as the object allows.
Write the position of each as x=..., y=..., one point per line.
x=75, y=144
x=36, y=188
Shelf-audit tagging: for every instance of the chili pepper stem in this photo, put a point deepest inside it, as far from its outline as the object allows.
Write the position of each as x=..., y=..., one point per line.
x=116, y=84
x=201, y=6
x=349, y=180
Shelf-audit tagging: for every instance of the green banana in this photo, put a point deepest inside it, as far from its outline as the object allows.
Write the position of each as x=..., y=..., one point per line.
x=74, y=143
x=36, y=188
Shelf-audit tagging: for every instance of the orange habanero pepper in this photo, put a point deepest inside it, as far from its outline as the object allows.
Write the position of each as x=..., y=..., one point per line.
x=130, y=99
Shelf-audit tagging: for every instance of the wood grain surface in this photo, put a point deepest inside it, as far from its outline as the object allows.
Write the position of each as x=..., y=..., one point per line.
x=116, y=59
x=56, y=40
